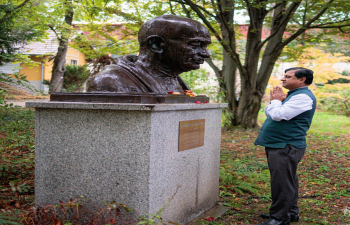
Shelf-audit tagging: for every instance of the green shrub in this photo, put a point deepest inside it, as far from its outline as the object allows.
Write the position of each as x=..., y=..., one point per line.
x=74, y=78
x=341, y=80
x=336, y=104
x=16, y=155
x=199, y=82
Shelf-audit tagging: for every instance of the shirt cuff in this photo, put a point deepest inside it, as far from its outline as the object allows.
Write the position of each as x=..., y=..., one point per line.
x=276, y=102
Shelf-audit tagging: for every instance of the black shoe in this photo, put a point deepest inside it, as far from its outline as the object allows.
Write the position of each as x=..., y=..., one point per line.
x=275, y=222
x=293, y=218
x=265, y=215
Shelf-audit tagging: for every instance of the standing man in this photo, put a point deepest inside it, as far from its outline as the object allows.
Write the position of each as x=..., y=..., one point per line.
x=283, y=134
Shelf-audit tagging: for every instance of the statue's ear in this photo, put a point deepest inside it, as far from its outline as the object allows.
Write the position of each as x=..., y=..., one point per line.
x=155, y=43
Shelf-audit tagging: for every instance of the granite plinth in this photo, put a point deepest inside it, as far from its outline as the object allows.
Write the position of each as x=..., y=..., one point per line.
x=111, y=97
x=128, y=153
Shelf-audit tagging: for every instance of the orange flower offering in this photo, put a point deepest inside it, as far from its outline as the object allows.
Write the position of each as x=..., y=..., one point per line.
x=174, y=93
x=189, y=93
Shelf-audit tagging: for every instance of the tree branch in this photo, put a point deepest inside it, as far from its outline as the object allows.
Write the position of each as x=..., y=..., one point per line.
x=214, y=6
x=319, y=25
x=290, y=11
x=324, y=27
x=320, y=13
x=250, y=14
x=215, y=68
x=17, y=7
x=313, y=3
x=202, y=8
x=226, y=25
x=269, y=10
x=186, y=11
x=345, y=32
x=304, y=15
x=296, y=21
x=307, y=26
x=53, y=29
x=171, y=8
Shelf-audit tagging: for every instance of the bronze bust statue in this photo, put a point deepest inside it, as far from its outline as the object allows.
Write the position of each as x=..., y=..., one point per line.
x=169, y=45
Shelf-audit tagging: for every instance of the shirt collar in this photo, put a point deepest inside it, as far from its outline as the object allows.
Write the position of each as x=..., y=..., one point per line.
x=297, y=89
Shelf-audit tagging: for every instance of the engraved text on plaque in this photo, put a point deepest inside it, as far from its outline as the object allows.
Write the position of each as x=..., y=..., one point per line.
x=191, y=134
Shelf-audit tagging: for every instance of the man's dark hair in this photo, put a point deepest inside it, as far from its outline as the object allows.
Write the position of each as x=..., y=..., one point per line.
x=303, y=72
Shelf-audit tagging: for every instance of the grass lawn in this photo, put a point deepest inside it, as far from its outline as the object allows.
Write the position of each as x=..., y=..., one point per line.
x=244, y=176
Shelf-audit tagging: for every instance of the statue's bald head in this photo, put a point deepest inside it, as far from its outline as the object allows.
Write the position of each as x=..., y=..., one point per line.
x=170, y=27
x=176, y=43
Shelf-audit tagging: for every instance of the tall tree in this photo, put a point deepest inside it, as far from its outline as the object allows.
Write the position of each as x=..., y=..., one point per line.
x=288, y=20
x=58, y=68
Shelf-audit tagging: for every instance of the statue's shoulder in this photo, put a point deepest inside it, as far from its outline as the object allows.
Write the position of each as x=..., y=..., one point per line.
x=117, y=78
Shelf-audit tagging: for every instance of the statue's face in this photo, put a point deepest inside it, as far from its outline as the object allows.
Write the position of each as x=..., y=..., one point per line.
x=186, y=50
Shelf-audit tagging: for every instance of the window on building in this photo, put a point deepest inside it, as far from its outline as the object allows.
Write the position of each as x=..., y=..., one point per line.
x=73, y=62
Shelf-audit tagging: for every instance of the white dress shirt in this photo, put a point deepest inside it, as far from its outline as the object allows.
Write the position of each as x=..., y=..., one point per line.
x=296, y=105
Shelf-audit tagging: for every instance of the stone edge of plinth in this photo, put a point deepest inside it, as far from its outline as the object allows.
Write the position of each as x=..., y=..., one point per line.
x=124, y=106
x=214, y=212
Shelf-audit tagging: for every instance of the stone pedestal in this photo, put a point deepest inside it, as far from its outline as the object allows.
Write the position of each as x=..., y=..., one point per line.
x=128, y=153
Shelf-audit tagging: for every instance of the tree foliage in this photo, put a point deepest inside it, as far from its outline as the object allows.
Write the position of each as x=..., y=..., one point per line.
x=102, y=36
x=251, y=50
x=287, y=20
x=15, y=28
x=330, y=84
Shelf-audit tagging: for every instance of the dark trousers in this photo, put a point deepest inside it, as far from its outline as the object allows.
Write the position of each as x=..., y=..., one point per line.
x=283, y=163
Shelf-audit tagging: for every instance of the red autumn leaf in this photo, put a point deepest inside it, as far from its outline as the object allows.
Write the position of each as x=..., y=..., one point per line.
x=117, y=212
x=210, y=218
x=170, y=92
x=58, y=222
x=205, y=102
x=198, y=102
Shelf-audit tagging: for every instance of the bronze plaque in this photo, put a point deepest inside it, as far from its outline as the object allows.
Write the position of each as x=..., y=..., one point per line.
x=191, y=134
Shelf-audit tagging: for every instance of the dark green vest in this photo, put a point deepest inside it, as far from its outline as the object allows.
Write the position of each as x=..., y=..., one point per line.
x=277, y=134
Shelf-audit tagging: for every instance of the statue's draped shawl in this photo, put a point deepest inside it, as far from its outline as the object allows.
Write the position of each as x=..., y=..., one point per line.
x=127, y=77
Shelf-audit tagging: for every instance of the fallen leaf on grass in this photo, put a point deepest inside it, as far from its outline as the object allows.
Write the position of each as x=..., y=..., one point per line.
x=209, y=219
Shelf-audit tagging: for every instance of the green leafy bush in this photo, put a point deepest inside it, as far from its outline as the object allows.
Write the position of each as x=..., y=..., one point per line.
x=16, y=156
x=341, y=80
x=335, y=95
x=336, y=101
x=5, y=85
x=200, y=83
x=74, y=78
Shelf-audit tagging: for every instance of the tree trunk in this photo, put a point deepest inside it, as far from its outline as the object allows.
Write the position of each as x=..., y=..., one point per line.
x=58, y=68
x=229, y=67
x=250, y=99
x=248, y=109
x=229, y=79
